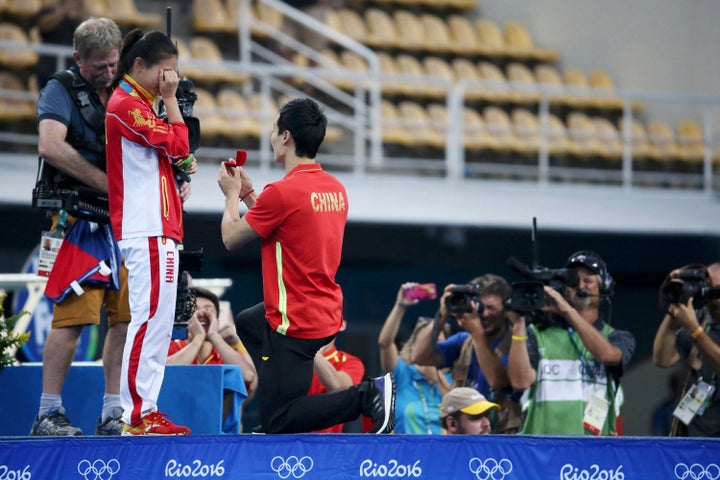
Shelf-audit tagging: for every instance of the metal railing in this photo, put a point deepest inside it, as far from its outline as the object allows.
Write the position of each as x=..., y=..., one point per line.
x=269, y=71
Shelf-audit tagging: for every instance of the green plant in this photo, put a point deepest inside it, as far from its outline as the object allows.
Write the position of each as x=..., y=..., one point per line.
x=9, y=341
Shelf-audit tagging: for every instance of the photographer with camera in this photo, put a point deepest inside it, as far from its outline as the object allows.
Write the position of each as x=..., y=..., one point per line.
x=71, y=114
x=691, y=330
x=572, y=365
x=477, y=354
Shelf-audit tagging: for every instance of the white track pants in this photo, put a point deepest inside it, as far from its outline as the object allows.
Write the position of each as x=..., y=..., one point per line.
x=152, y=264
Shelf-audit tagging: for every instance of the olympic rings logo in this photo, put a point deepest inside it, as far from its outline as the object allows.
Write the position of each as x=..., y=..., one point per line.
x=297, y=467
x=697, y=472
x=490, y=469
x=98, y=470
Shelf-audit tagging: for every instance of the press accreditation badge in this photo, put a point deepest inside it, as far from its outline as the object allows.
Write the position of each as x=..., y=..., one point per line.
x=596, y=412
x=49, y=248
x=694, y=402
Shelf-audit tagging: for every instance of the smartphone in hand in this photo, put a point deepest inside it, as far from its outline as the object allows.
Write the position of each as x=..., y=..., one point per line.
x=421, y=291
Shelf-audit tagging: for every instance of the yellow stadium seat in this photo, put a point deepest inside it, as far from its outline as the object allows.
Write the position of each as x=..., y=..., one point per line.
x=388, y=66
x=352, y=24
x=205, y=109
x=519, y=44
x=498, y=90
x=581, y=131
x=382, y=32
x=411, y=31
x=13, y=58
x=14, y=104
x=417, y=121
x=238, y=121
x=437, y=67
x=464, y=38
x=393, y=127
x=22, y=8
x=125, y=12
x=690, y=141
x=524, y=82
x=500, y=128
x=439, y=38
x=490, y=38
x=210, y=16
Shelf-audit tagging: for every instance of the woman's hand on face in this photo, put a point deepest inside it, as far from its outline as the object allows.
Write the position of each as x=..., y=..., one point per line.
x=168, y=81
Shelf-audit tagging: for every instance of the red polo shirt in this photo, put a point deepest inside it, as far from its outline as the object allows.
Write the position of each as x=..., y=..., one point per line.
x=301, y=220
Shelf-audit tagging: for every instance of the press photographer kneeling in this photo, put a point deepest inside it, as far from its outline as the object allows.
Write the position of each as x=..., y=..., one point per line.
x=573, y=363
x=690, y=330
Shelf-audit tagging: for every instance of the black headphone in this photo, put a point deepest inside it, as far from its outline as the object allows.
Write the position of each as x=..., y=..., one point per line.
x=594, y=262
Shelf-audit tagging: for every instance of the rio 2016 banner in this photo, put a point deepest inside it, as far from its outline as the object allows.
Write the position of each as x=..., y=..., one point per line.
x=487, y=457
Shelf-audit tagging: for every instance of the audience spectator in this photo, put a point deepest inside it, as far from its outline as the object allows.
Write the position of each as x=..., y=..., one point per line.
x=478, y=354
x=466, y=411
x=209, y=343
x=693, y=332
x=572, y=366
x=420, y=388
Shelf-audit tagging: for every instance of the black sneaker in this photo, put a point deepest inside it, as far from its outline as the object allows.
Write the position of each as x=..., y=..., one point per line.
x=54, y=424
x=379, y=402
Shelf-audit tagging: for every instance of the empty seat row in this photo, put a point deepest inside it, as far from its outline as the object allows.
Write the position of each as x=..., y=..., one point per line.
x=410, y=124
x=123, y=12
x=432, y=76
x=427, y=32
x=430, y=4
x=17, y=58
x=17, y=100
x=211, y=69
x=235, y=116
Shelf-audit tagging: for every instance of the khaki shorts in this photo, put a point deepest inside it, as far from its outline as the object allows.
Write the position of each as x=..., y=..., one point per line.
x=85, y=309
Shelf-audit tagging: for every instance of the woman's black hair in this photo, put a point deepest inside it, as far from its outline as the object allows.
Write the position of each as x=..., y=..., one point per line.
x=152, y=47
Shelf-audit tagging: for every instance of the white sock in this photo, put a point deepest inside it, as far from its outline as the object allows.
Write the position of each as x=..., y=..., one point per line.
x=48, y=402
x=111, y=401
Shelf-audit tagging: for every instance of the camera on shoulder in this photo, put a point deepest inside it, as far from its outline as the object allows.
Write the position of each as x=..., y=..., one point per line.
x=461, y=299
x=687, y=284
x=529, y=295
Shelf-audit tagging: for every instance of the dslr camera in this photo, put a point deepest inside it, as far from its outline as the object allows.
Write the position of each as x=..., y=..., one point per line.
x=461, y=299
x=687, y=284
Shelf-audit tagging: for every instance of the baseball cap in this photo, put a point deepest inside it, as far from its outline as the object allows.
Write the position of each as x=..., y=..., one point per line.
x=467, y=400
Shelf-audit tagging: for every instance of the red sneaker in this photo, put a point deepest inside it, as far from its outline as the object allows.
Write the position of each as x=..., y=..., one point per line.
x=155, y=423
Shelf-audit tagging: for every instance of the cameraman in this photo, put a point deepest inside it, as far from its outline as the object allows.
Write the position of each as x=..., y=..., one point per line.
x=478, y=354
x=576, y=361
x=71, y=113
x=694, y=334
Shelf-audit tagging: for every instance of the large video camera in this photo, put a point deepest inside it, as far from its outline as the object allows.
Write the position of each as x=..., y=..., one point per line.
x=461, y=299
x=81, y=202
x=529, y=295
x=687, y=284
